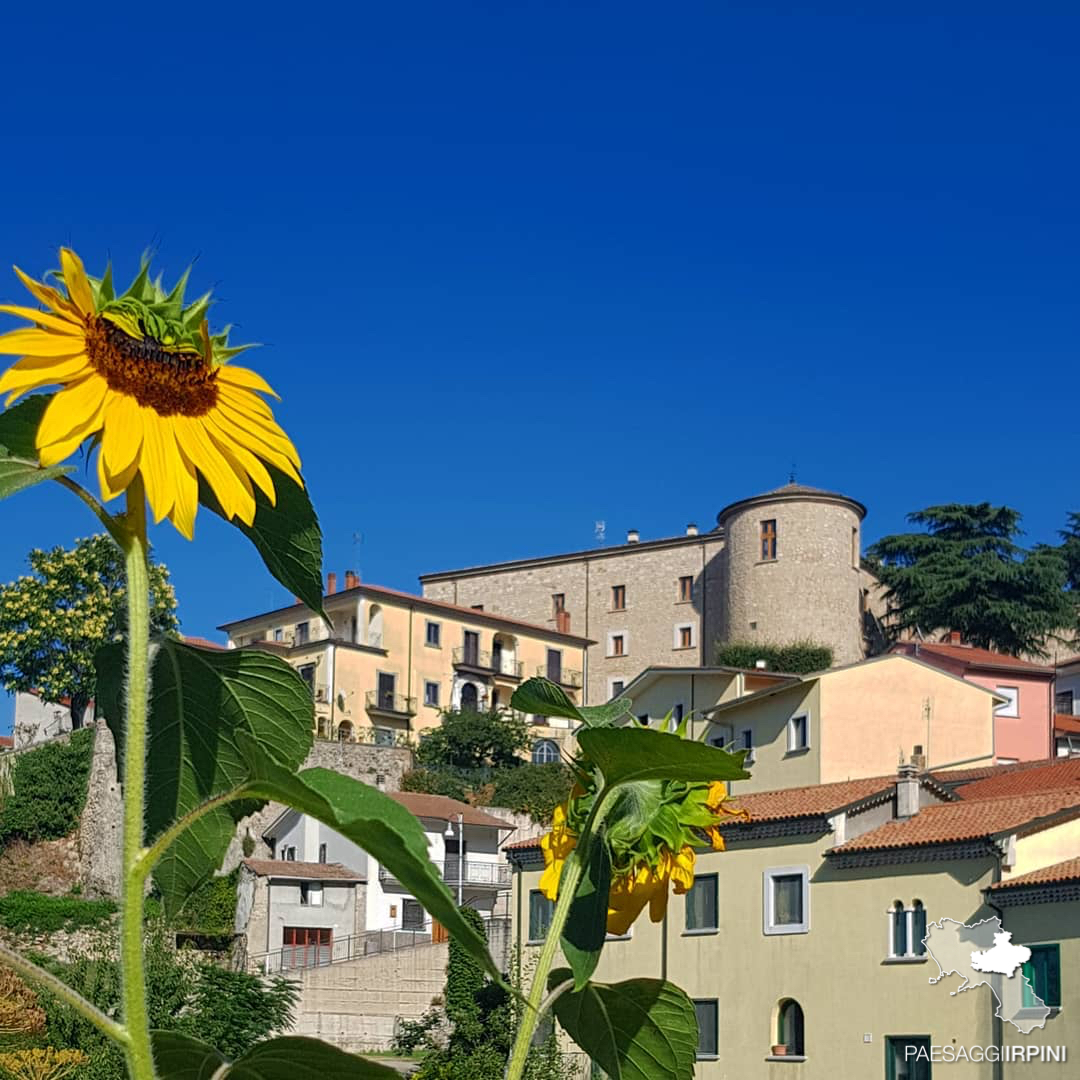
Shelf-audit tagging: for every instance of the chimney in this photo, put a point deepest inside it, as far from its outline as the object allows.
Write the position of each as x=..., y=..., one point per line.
x=632, y=536
x=352, y=579
x=691, y=529
x=331, y=583
x=562, y=622
x=955, y=637
x=907, y=791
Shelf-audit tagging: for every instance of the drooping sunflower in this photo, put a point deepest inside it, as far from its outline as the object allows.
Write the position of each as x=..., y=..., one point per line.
x=142, y=374
x=651, y=857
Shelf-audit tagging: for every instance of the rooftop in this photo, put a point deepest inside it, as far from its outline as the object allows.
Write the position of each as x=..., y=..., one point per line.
x=302, y=871
x=972, y=656
x=1024, y=778
x=1067, y=724
x=791, y=492
x=1048, y=875
x=443, y=808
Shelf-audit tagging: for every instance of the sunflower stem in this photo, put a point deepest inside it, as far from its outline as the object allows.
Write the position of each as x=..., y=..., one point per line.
x=112, y=526
x=139, y=1052
x=537, y=1002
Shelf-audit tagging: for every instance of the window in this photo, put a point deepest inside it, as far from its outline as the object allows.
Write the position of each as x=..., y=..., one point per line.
x=798, y=732
x=431, y=693
x=554, y=665
x=540, y=911
x=412, y=915
x=618, y=597
x=1063, y=702
x=684, y=636
x=558, y=604
x=746, y=742
x=789, y=1028
x=306, y=946
x=303, y=633
x=907, y=928
x=311, y=894
x=279, y=634
x=290, y=854
x=617, y=686
x=307, y=673
x=616, y=644
x=433, y=634
x=384, y=736
x=768, y=540
x=701, y=904
x=686, y=588
x=545, y=752
x=787, y=900
x=1010, y=707
x=907, y=1057
x=322, y=853
x=678, y=712
x=707, y=1045
x=1043, y=977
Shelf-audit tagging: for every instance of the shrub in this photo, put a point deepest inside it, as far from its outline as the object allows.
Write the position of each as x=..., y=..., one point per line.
x=48, y=790
x=31, y=912
x=794, y=658
x=211, y=908
x=417, y=1035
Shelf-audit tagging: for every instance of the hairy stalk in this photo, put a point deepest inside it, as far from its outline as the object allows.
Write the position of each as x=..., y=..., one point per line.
x=112, y=526
x=139, y=1053
x=536, y=1001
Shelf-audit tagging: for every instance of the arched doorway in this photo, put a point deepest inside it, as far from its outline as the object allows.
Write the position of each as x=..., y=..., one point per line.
x=345, y=731
x=469, y=697
x=375, y=626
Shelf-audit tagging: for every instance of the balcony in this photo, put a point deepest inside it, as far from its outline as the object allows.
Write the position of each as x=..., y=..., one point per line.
x=390, y=704
x=488, y=875
x=488, y=663
x=566, y=677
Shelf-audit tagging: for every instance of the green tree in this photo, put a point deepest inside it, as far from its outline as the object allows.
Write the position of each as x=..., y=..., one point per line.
x=1070, y=551
x=794, y=658
x=474, y=740
x=966, y=571
x=54, y=620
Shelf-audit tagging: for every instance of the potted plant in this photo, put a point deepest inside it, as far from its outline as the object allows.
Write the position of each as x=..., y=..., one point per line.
x=780, y=1050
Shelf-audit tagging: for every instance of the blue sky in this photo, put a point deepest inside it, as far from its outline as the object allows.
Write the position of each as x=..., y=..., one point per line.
x=522, y=267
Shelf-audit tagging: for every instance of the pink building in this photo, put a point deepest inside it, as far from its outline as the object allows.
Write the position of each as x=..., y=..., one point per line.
x=1024, y=722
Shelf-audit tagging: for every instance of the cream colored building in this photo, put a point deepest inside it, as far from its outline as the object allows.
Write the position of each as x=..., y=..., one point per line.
x=802, y=944
x=778, y=567
x=392, y=661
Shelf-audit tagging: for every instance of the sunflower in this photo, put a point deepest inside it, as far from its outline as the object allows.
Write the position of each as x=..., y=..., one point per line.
x=142, y=375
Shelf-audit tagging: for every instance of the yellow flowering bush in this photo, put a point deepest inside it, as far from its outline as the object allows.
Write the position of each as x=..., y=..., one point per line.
x=41, y=1063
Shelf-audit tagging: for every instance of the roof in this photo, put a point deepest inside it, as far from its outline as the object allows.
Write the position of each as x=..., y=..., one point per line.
x=973, y=657
x=523, y=845
x=815, y=800
x=471, y=614
x=7, y=742
x=791, y=493
x=1068, y=663
x=1070, y=725
x=202, y=643
x=1048, y=875
x=1024, y=778
x=443, y=808
x=969, y=819
x=304, y=871
x=656, y=671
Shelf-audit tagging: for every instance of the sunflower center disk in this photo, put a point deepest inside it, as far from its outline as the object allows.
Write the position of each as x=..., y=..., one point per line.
x=169, y=382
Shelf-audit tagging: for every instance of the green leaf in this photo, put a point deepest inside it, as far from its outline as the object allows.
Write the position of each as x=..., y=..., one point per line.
x=640, y=1029
x=15, y=475
x=179, y=1057
x=286, y=535
x=586, y=924
x=373, y=821
x=202, y=702
x=544, y=698
x=19, y=424
x=627, y=754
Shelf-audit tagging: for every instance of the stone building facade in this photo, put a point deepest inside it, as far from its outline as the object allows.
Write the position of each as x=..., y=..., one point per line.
x=669, y=601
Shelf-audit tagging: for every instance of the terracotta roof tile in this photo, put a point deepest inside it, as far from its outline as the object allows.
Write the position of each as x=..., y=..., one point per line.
x=305, y=871
x=523, y=845
x=1056, y=774
x=443, y=808
x=202, y=642
x=7, y=741
x=1066, y=723
x=1062, y=871
x=973, y=656
x=970, y=819
x=813, y=801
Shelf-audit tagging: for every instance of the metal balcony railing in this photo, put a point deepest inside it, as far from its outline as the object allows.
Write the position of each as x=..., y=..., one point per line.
x=387, y=702
x=495, y=875
x=566, y=677
x=482, y=660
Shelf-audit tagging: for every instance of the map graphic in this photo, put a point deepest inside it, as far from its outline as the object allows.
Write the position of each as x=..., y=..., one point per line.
x=982, y=954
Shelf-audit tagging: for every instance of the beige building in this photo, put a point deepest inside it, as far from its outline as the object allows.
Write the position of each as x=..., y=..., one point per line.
x=802, y=946
x=392, y=661
x=778, y=567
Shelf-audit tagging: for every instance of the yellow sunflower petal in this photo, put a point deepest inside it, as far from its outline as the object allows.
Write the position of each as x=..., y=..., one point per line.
x=71, y=411
x=64, y=448
x=123, y=436
x=240, y=458
x=242, y=376
x=113, y=485
x=201, y=452
x=47, y=295
x=33, y=342
x=157, y=463
x=33, y=372
x=246, y=402
x=186, y=483
x=238, y=434
x=42, y=318
x=267, y=430
x=75, y=281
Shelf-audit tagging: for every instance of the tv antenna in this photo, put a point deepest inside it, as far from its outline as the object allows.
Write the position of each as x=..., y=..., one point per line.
x=600, y=531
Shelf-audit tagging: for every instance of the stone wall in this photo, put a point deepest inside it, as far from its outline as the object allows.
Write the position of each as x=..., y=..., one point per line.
x=102, y=821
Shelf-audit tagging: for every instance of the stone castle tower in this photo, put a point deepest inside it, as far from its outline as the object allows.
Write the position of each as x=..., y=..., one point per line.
x=790, y=570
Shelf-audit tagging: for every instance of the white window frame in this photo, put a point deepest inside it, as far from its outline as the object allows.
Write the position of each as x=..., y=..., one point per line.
x=677, y=630
x=909, y=932
x=612, y=635
x=769, y=926
x=431, y=704
x=805, y=717
x=1011, y=708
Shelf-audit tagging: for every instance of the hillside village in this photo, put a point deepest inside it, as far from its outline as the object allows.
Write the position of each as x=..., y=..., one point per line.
x=908, y=780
